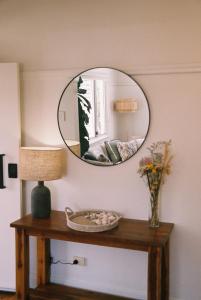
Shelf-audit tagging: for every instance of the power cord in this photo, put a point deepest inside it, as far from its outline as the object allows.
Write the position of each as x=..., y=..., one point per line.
x=52, y=262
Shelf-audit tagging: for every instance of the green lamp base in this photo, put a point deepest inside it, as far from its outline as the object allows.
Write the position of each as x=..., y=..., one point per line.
x=40, y=201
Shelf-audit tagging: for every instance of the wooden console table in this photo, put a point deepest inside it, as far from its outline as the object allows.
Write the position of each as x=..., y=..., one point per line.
x=130, y=234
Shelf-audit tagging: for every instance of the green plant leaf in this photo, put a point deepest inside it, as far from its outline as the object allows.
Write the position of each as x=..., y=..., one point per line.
x=82, y=91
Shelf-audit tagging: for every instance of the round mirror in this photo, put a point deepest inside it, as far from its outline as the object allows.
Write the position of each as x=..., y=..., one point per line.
x=103, y=116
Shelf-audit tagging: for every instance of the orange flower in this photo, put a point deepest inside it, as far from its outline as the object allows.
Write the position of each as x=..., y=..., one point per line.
x=150, y=166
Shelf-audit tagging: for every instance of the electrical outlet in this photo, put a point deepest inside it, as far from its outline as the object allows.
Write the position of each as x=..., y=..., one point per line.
x=81, y=260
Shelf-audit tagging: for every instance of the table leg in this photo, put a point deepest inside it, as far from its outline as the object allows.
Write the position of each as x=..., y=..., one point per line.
x=154, y=273
x=43, y=260
x=165, y=272
x=22, y=264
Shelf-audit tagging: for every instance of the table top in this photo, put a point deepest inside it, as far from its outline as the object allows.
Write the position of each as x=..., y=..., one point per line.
x=129, y=234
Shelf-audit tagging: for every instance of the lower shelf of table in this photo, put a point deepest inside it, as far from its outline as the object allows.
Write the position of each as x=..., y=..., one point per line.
x=53, y=291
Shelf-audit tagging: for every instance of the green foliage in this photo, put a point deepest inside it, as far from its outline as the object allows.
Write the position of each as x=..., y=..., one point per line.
x=83, y=117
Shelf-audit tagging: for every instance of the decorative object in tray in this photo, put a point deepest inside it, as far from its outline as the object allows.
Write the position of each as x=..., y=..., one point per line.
x=91, y=220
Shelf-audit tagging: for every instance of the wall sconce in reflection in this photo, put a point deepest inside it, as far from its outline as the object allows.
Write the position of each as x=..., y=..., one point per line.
x=125, y=105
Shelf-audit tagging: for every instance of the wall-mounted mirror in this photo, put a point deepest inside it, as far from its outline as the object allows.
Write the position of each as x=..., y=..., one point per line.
x=103, y=116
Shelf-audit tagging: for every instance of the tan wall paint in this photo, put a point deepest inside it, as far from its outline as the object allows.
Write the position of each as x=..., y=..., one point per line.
x=62, y=34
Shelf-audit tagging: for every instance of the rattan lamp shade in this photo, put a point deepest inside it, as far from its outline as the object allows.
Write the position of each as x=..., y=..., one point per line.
x=125, y=105
x=41, y=163
x=74, y=146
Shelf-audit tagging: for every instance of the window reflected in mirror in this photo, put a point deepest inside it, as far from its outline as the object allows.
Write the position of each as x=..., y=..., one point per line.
x=95, y=94
x=103, y=116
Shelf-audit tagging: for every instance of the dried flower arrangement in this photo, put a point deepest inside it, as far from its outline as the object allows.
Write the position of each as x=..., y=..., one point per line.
x=154, y=168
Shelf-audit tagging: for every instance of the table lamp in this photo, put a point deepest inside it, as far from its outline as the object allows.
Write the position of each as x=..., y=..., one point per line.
x=74, y=146
x=40, y=164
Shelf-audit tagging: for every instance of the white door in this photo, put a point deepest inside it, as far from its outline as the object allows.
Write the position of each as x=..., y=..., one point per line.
x=10, y=200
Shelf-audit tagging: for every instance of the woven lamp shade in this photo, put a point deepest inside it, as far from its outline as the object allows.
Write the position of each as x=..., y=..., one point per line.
x=74, y=146
x=125, y=105
x=41, y=163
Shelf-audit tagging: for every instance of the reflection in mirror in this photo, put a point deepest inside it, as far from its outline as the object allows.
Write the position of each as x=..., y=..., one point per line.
x=103, y=116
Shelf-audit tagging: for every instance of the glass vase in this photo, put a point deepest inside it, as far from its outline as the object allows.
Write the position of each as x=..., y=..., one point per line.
x=154, y=210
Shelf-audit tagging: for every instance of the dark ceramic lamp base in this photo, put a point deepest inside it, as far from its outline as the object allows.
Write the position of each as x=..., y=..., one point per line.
x=40, y=201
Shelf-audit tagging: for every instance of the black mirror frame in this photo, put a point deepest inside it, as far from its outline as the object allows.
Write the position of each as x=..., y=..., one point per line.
x=148, y=128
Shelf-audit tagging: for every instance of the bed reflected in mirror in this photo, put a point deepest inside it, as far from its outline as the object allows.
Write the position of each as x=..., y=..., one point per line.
x=103, y=116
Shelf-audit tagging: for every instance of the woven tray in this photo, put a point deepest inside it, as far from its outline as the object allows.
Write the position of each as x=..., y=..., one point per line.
x=86, y=220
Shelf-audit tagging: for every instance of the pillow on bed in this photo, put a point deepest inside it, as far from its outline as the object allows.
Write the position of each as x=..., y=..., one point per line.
x=113, y=153
x=89, y=155
x=97, y=150
x=139, y=142
x=103, y=158
x=126, y=149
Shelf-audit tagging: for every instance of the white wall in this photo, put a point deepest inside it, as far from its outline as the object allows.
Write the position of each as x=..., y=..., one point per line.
x=68, y=113
x=130, y=124
x=174, y=114
x=133, y=36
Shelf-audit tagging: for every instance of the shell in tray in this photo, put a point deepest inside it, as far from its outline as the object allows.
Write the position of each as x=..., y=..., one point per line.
x=91, y=220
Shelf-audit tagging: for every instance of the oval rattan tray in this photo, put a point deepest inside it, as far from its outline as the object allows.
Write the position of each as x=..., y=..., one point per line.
x=91, y=220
